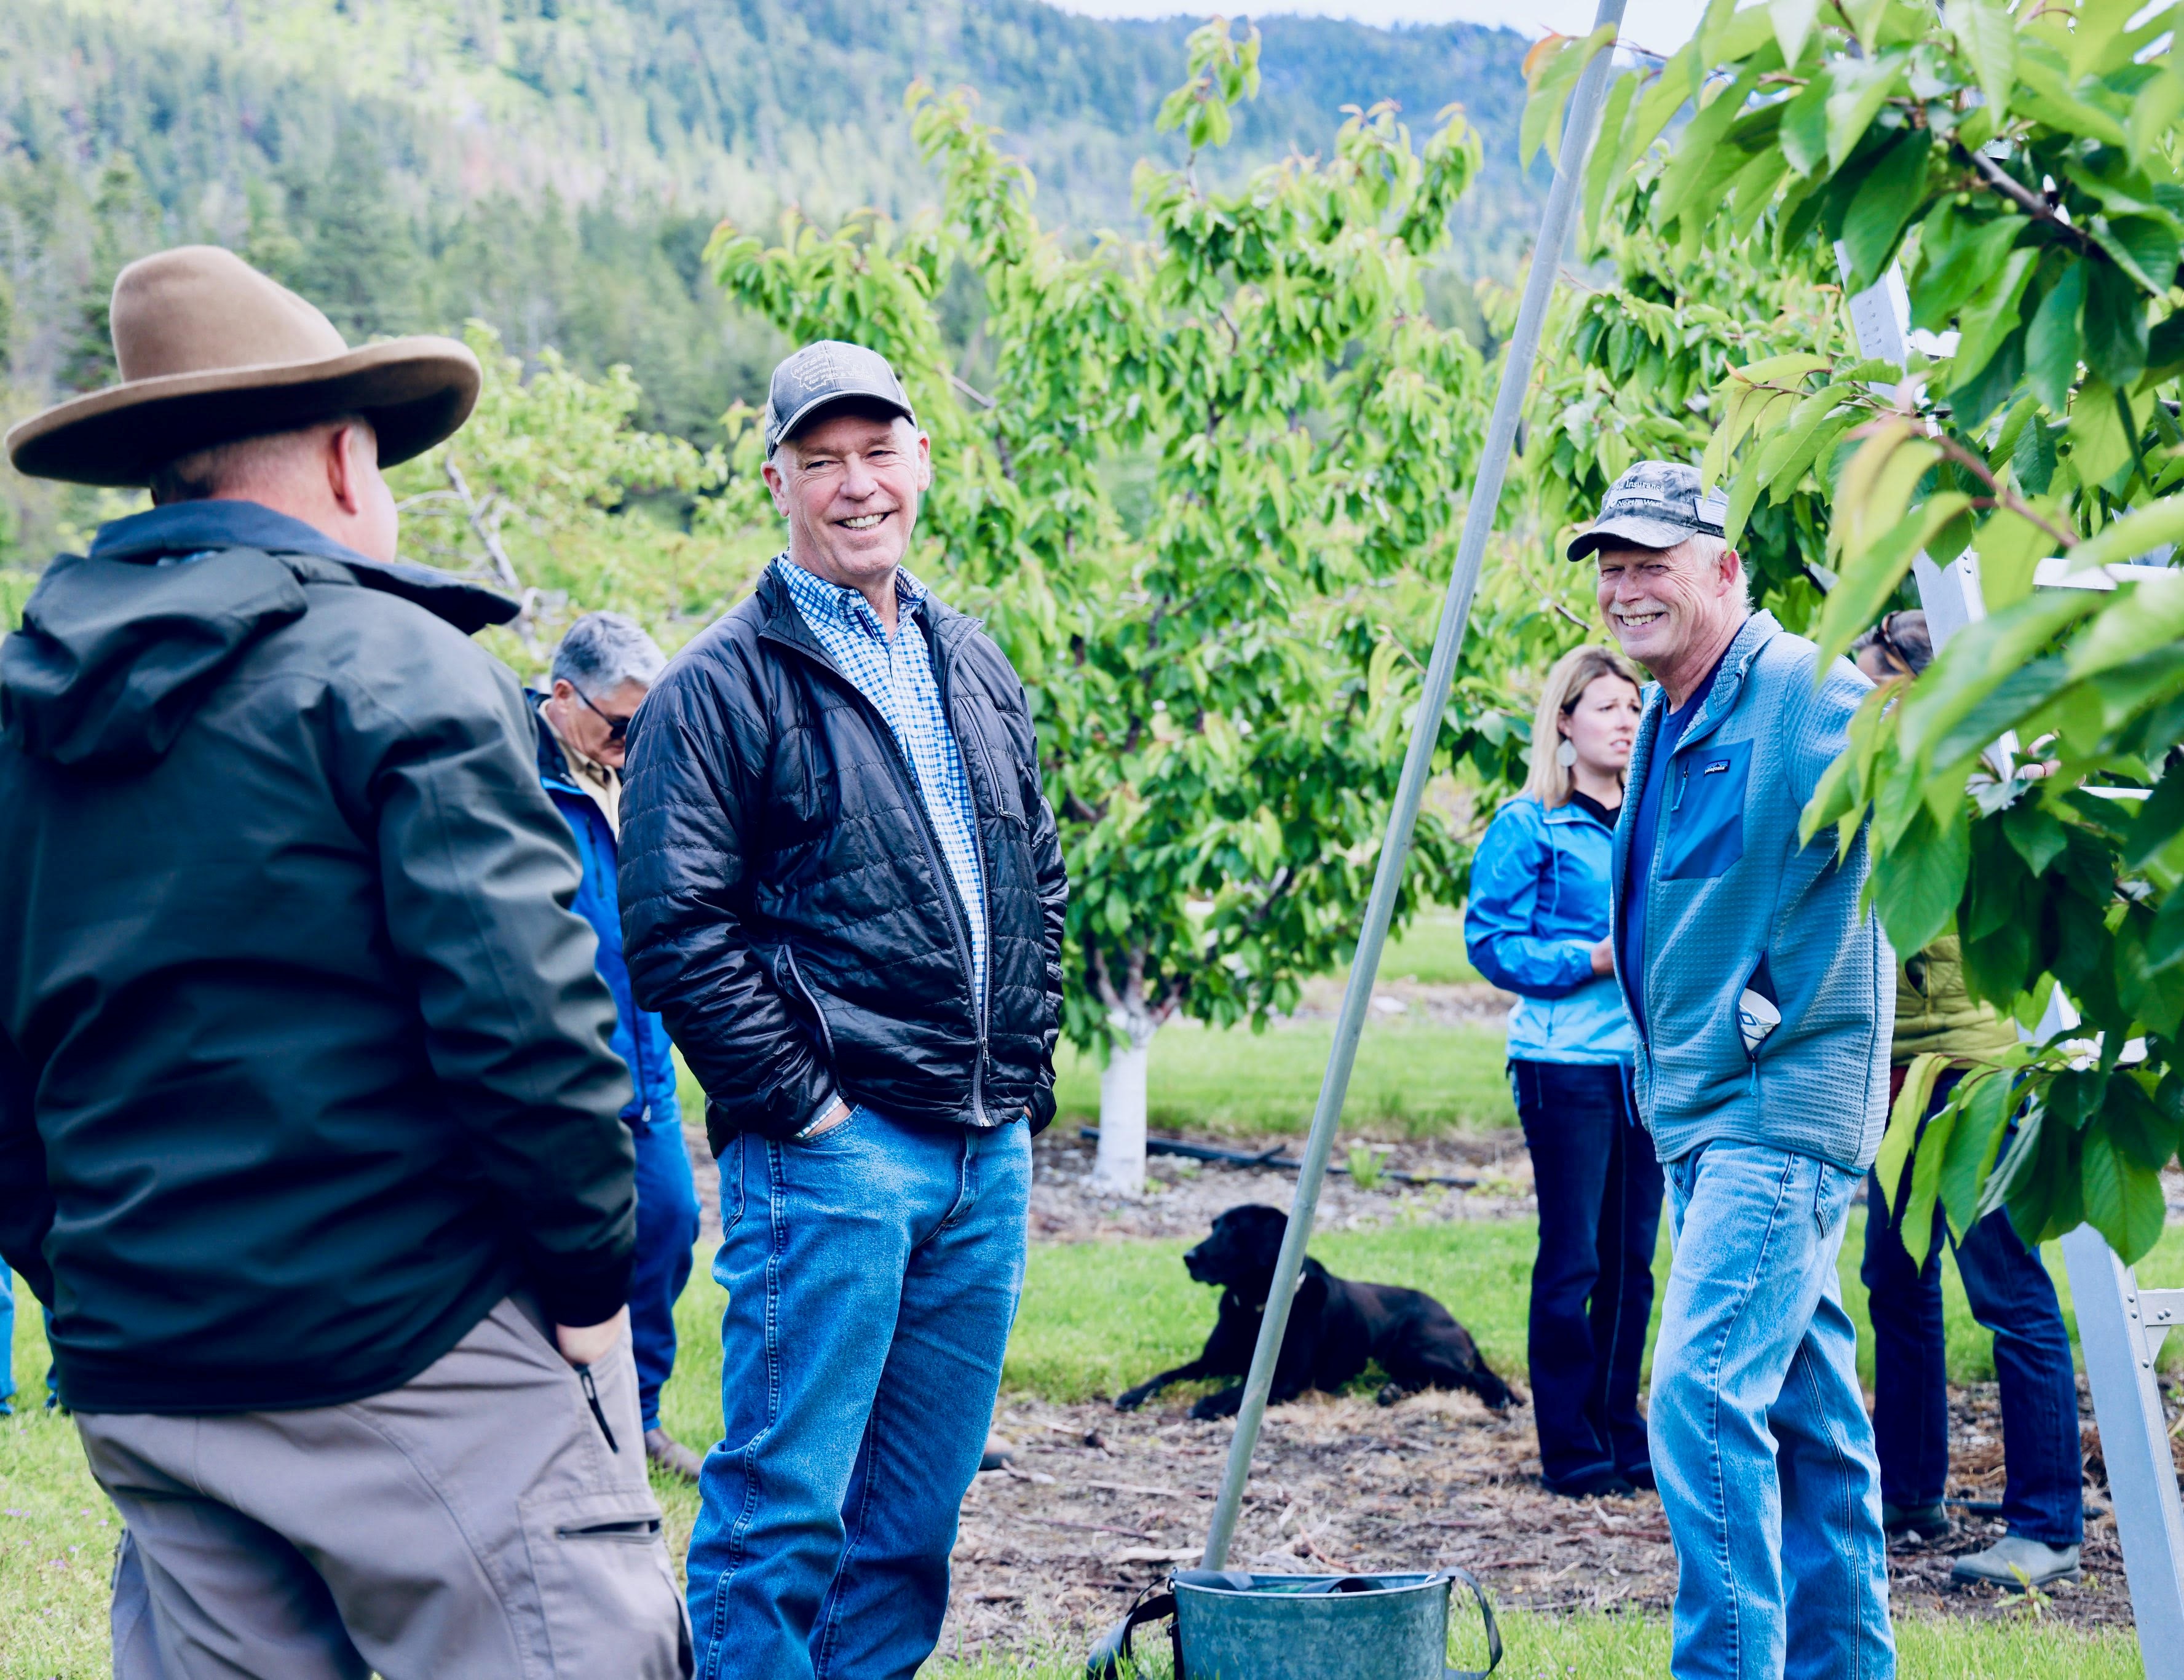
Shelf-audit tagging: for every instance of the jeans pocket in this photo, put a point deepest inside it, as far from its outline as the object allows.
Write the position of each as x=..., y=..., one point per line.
x=1833, y=1187
x=730, y=1164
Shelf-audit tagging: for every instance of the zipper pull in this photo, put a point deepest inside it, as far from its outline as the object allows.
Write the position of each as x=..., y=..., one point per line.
x=592, y=1398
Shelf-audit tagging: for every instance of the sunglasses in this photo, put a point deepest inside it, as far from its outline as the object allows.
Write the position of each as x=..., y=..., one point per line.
x=617, y=727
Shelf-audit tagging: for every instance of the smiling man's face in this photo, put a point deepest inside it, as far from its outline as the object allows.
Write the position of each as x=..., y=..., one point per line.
x=1668, y=606
x=849, y=485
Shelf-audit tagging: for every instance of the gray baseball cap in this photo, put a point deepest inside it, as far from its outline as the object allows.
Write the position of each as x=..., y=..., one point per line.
x=1656, y=504
x=829, y=372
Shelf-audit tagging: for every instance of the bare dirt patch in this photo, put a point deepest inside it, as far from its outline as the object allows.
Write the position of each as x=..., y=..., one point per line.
x=1183, y=1198
x=1098, y=1504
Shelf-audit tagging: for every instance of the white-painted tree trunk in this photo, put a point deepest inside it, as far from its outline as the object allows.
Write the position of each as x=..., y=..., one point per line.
x=1120, y=1168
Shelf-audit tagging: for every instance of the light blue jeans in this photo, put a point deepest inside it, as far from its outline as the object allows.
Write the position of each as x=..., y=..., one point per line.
x=873, y=1276
x=1761, y=1443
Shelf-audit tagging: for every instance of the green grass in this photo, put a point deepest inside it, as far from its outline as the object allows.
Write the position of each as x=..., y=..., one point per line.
x=1414, y=1080
x=1100, y=1317
x=1430, y=950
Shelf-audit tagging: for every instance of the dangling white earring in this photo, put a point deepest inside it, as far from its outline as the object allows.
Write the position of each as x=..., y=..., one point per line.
x=1566, y=754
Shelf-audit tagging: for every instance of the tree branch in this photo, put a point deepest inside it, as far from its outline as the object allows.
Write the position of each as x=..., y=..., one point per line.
x=1952, y=450
x=2032, y=203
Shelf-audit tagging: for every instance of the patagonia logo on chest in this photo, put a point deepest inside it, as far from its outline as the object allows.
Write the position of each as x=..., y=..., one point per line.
x=1716, y=768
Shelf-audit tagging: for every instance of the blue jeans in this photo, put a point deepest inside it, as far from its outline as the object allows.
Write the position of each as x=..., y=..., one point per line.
x=872, y=1274
x=1761, y=1442
x=666, y=1232
x=1592, y=1286
x=2012, y=1295
x=7, y=1348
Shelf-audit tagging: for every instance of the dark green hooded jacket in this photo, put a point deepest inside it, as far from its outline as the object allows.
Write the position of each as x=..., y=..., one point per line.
x=303, y=1061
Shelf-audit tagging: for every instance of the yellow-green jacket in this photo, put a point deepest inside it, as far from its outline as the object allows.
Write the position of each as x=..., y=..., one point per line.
x=1934, y=1012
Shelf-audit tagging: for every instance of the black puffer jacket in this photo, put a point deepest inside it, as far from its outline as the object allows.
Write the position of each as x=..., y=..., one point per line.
x=303, y=1061
x=784, y=906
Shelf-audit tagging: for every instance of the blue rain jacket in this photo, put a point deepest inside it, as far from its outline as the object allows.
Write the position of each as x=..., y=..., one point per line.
x=639, y=1037
x=1539, y=902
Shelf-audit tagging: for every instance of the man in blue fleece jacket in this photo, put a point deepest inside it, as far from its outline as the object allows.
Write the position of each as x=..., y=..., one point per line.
x=1763, y=999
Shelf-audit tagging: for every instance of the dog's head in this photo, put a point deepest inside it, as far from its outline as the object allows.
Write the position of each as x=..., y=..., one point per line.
x=1240, y=1252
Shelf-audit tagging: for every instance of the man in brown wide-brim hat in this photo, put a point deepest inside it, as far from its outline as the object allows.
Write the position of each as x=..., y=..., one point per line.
x=310, y=1131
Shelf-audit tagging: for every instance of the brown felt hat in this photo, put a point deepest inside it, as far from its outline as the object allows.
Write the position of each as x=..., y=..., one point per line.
x=211, y=351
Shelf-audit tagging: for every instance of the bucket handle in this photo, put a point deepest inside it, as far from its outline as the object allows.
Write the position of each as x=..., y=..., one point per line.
x=1464, y=1577
x=1113, y=1650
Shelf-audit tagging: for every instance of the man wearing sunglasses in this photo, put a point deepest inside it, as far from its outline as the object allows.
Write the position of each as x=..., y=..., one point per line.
x=602, y=671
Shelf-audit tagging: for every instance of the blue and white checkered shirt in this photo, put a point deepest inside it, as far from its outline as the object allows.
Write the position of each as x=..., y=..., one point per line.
x=895, y=673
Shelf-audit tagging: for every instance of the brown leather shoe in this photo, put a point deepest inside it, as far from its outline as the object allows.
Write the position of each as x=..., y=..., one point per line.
x=671, y=1454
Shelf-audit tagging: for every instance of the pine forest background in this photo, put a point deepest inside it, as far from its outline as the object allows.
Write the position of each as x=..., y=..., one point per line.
x=554, y=169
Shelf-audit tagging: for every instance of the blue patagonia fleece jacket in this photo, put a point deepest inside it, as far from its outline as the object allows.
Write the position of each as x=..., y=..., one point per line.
x=1741, y=921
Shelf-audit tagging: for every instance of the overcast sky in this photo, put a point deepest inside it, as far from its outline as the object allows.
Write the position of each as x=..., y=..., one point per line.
x=1661, y=24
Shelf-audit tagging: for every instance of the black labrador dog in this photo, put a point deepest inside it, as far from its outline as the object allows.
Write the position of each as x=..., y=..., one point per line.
x=1334, y=1327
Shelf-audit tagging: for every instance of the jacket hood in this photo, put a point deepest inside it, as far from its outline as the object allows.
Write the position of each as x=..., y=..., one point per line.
x=119, y=647
x=115, y=655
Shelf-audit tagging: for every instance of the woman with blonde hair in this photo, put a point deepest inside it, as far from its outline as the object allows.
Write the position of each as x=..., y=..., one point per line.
x=1537, y=924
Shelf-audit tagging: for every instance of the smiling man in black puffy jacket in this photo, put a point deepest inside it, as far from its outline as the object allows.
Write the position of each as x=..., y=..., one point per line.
x=843, y=889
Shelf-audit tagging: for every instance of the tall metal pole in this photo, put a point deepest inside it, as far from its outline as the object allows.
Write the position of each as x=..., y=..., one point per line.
x=1433, y=700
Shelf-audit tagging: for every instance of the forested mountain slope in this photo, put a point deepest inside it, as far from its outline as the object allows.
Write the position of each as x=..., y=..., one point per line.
x=555, y=165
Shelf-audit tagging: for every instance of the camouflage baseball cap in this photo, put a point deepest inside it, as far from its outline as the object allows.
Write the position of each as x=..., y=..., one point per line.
x=823, y=373
x=1656, y=504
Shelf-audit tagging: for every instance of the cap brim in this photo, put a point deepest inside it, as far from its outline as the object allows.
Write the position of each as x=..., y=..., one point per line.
x=805, y=415
x=1630, y=531
x=415, y=392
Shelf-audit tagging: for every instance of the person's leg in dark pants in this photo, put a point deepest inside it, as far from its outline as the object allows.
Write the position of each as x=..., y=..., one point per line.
x=1910, y=1356
x=2013, y=1296
x=1569, y=1112
x=1623, y=1299
x=667, y=1233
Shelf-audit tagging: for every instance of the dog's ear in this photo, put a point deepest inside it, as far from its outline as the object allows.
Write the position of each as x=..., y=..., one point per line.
x=1261, y=1235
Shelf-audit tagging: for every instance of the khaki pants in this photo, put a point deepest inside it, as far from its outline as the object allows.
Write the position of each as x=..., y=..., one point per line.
x=472, y=1523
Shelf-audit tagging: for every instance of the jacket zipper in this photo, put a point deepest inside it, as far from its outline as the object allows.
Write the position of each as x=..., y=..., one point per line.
x=826, y=1033
x=940, y=675
x=958, y=921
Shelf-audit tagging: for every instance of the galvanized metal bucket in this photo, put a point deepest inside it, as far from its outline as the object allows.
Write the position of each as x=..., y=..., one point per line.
x=1231, y=1625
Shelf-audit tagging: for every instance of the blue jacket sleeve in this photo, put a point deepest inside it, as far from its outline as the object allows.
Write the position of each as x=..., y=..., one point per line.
x=1505, y=893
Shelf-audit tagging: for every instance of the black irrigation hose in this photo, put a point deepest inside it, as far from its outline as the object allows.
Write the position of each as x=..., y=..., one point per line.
x=1268, y=1157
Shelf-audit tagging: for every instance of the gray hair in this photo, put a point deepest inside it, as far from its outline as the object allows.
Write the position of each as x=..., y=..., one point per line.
x=602, y=650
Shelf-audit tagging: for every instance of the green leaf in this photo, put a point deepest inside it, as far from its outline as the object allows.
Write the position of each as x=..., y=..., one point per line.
x=1793, y=23
x=2123, y=1200
x=1887, y=199
x=2100, y=447
x=2135, y=533
x=1904, y=1117
x=2145, y=247
x=1918, y=881
x=2010, y=547
x=1957, y=257
x=1982, y=1122
x=2053, y=347
x=1858, y=88
x=1803, y=135
x=1916, y=1230
x=2154, y=109
x=1991, y=317
x=1869, y=578
x=2032, y=461
x=1987, y=34
x=1610, y=154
